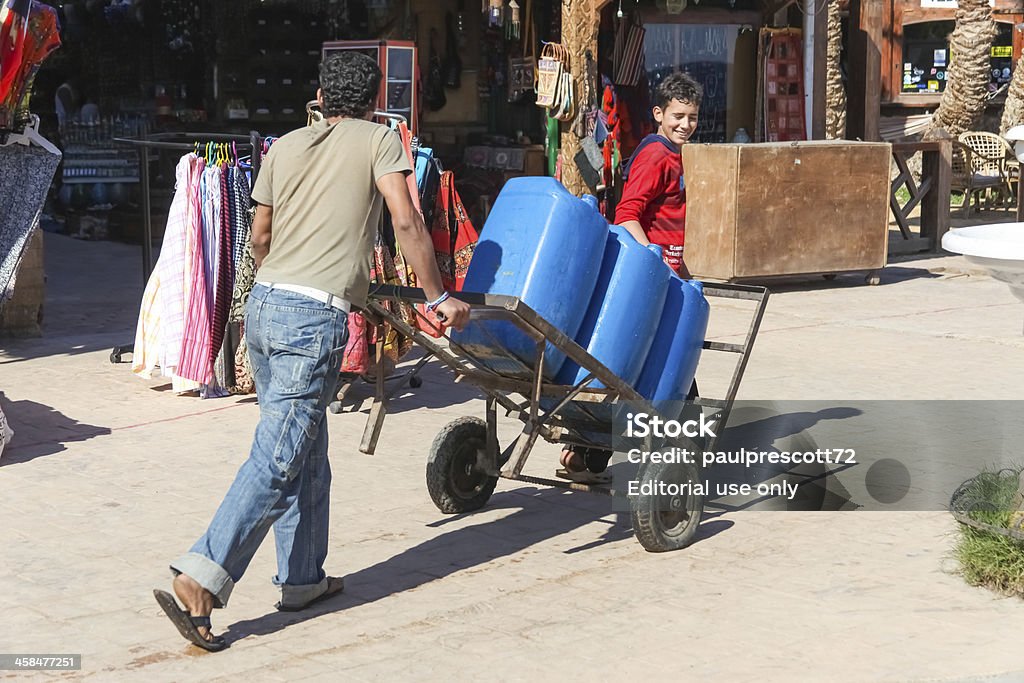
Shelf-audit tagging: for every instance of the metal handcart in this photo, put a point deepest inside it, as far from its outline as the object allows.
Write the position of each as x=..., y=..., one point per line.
x=466, y=460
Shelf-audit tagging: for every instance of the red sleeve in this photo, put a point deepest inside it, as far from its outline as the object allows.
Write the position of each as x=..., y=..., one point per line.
x=646, y=183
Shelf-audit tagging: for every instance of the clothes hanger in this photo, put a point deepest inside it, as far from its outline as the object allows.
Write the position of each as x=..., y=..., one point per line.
x=31, y=136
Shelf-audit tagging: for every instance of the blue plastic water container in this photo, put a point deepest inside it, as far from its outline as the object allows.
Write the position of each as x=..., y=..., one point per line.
x=624, y=311
x=672, y=360
x=545, y=246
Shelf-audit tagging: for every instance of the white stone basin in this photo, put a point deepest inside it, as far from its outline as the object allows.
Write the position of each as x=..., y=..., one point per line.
x=998, y=247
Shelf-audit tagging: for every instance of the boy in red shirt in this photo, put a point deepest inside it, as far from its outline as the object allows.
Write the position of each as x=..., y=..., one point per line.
x=653, y=210
x=653, y=204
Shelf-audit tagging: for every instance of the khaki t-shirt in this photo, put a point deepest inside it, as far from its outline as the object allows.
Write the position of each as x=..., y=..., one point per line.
x=321, y=182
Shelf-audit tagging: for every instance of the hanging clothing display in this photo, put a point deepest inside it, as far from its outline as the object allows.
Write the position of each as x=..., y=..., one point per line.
x=25, y=176
x=189, y=296
x=433, y=193
x=29, y=32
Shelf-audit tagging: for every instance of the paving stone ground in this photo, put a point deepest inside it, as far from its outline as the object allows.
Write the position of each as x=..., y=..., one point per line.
x=110, y=476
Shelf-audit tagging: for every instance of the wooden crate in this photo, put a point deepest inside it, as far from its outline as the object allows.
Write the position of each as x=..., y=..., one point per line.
x=792, y=208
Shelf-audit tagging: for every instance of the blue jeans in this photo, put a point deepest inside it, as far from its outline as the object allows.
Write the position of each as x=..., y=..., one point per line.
x=295, y=348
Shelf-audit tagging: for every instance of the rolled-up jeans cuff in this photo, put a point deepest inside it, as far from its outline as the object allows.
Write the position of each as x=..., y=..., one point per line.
x=207, y=574
x=297, y=596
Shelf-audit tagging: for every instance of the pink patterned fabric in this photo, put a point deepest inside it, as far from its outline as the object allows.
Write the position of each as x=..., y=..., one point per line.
x=196, y=341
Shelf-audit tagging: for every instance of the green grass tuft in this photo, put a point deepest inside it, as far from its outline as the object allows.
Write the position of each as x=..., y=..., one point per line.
x=990, y=559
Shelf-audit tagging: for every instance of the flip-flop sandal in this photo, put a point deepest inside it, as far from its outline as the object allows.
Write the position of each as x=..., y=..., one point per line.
x=585, y=477
x=323, y=596
x=187, y=625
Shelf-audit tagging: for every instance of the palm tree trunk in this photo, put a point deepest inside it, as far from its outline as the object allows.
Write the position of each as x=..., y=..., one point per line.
x=835, y=95
x=1013, y=109
x=967, y=78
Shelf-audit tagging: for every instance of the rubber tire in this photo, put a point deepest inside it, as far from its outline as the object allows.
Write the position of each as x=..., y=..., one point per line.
x=115, y=358
x=659, y=531
x=452, y=484
x=415, y=382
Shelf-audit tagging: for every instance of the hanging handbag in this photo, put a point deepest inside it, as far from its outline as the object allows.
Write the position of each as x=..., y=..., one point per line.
x=452, y=61
x=522, y=71
x=565, y=109
x=629, y=51
x=433, y=87
x=357, y=350
x=453, y=235
x=549, y=74
x=385, y=272
x=454, y=239
x=556, y=87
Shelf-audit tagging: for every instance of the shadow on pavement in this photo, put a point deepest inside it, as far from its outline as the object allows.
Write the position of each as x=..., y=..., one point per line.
x=540, y=515
x=781, y=432
x=439, y=390
x=39, y=430
x=21, y=350
x=891, y=274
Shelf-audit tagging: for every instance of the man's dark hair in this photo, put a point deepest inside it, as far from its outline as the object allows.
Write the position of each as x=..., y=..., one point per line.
x=350, y=82
x=679, y=86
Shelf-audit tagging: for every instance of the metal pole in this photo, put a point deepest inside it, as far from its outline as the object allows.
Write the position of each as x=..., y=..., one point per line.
x=147, y=224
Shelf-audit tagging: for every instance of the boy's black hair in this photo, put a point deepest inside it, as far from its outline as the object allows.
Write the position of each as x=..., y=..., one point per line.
x=679, y=86
x=350, y=82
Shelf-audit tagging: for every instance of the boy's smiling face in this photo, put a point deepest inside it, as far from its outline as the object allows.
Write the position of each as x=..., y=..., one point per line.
x=677, y=121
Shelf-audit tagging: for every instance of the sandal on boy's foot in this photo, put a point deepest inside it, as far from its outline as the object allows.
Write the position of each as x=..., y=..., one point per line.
x=187, y=625
x=573, y=461
x=335, y=585
x=585, y=477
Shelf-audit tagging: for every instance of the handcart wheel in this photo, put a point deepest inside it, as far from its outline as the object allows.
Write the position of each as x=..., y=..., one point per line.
x=115, y=357
x=415, y=382
x=668, y=511
x=454, y=480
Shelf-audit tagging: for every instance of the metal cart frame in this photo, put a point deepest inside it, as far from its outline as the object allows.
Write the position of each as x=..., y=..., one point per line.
x=466, y=460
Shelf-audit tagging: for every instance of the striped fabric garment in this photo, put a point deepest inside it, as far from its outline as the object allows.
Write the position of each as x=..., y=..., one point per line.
x=225, y=271
x=195, y=349
x=192, y=216
x=172, y=270
x=213, y=212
